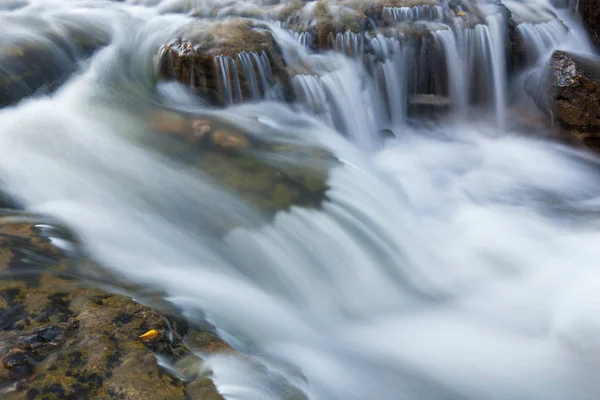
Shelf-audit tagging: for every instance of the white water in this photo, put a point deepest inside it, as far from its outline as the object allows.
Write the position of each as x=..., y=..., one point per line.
x=456, y=261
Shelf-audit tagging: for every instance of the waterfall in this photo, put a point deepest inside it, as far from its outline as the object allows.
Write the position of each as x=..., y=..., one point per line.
x=455, y=67
x=448, y=257
x=392, y=64
x=416, y=13
x=345, y=99
x=256, y=72
x=496, y=34
x=540, y=38
x=349, y=43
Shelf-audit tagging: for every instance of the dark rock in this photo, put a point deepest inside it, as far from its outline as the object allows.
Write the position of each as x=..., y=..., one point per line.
x=590, y=12
x=574, y=84
x=569, y=91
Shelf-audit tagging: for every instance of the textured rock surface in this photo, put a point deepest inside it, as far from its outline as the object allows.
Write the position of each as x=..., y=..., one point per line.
x=570, y=93
x=61, y=339
x=575, y=90
x=194, y=58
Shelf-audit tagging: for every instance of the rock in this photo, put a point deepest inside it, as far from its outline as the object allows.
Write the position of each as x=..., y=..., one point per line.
x=268, y=176
x=575, y=90
x=226, y=61
x=36, y=64
x=64, y=339
x=322, y=21
x=590, y=12
x=571, y=95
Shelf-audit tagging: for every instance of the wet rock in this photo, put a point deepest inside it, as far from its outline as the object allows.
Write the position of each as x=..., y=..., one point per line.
x=63, y=339
x=268, y=176
x=321, y=22
x=91, y=351
x=40, y=64
x=590, y=12
x=571, y=95
x=226, y=61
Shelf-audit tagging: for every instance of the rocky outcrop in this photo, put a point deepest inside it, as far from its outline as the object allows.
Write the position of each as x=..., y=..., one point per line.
x=226, y=61
x=63, y=339
x=590, y=12
x=571, y=95
x=234, y=60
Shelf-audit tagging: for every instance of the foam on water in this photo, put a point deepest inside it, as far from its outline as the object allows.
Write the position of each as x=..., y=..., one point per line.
x=456, y=261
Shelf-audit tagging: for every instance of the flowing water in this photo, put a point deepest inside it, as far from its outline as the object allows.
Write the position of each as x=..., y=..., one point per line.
x=456, y=259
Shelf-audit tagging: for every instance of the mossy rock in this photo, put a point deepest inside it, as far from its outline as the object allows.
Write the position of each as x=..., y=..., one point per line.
x=61, y=338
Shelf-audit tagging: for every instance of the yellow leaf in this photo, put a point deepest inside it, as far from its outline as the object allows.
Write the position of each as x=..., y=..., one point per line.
x=461, y=13
x=151, y=334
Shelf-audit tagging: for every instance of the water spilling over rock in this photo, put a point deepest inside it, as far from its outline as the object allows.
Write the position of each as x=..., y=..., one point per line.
x=323, y=200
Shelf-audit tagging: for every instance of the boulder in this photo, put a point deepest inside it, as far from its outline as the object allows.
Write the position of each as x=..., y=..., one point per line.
x=570, y=93
x=226, y=61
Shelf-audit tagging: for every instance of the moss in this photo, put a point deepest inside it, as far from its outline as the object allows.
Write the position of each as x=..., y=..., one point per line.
x=61, y=339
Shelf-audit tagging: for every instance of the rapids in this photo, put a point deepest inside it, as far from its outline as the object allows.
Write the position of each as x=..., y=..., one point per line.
x=457, y=259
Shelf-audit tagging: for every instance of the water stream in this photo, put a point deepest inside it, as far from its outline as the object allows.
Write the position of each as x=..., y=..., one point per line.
x=456, y=259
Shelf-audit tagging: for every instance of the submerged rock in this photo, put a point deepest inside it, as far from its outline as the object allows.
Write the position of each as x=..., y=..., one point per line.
x=63, y=339
x=41, y=63
x=269, y=176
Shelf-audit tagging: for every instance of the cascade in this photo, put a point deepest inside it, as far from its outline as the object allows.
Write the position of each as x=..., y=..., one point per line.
x=334, y=188
x=540, y=38
x=256, y=72
x=416, y=13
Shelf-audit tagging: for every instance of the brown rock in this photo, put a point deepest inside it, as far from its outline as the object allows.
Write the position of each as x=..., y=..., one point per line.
x=575, y=90
x=215, y=56
x=570, y=94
